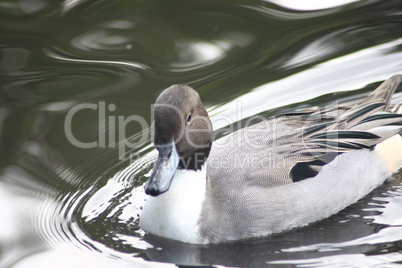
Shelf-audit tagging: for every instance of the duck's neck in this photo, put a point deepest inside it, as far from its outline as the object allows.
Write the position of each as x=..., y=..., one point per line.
x=194, y=162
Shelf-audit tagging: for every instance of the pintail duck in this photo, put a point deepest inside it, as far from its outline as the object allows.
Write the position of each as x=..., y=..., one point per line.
x=284, y=172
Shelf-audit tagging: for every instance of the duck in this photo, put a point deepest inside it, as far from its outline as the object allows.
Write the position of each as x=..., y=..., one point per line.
x=285, y=172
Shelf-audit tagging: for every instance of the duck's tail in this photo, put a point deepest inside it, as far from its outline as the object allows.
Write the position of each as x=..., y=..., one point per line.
x=385, y=91
x=390, y=151
x=373, y=123
x=377, y=101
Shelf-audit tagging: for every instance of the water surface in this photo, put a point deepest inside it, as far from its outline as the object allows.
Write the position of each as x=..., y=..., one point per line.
x=77, y=80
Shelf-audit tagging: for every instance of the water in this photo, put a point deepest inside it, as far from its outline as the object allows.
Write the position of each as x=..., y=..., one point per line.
x=77, y=82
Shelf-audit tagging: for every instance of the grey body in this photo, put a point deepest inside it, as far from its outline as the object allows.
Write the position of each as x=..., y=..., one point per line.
x=254, y=198
x=285, y=172
x=243, y=208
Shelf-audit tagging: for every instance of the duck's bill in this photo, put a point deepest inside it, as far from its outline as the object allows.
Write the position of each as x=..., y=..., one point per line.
x=164, y=170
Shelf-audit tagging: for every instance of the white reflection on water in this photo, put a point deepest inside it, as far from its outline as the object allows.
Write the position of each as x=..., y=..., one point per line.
x=316, y=50
x=349, y=72
x=393, y=200
x=307, y=5
x=70, y=4
x=119, y=24
x=26, y=7
x=17, y=231
x=347, y=260
x=96, y=40
x=65, y=256
x=386, y=235
x=124, y=63
x=195, y=53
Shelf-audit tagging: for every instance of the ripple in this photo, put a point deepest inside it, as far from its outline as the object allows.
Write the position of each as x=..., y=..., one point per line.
x=386, y=235
x=104, y=200
x=193, y=53
x=114, y=209
x=122, y=63
x=390, y=208
x=59, y=226
x=289, y=15
x=324, y=78
x=85, y=79
x=23, y=7
x=100, y=40
x=119, y=24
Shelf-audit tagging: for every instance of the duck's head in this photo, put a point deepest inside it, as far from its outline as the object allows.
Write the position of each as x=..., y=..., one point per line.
x=182, y=134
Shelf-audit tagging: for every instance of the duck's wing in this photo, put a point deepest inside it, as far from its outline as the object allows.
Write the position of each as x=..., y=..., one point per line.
x=364, y=125
x=295, y=146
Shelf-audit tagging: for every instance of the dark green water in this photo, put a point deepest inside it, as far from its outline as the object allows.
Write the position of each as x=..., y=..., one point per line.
x=77, y=80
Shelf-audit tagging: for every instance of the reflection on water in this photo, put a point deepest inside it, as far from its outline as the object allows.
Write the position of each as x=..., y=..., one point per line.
x=63, y=205
x=310, y=4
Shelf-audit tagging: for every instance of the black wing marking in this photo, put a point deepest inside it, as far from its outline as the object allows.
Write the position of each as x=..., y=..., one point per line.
x=362, y=126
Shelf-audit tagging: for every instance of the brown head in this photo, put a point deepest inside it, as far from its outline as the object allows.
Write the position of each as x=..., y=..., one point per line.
x=182, y=134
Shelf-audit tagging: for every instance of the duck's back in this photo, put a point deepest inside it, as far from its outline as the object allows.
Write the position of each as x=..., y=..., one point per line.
x=294, y=146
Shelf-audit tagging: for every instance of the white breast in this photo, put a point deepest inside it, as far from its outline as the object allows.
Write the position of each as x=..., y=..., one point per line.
x=175, y=214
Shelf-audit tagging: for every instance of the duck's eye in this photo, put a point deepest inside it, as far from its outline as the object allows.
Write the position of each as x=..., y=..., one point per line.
x=188, y=118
